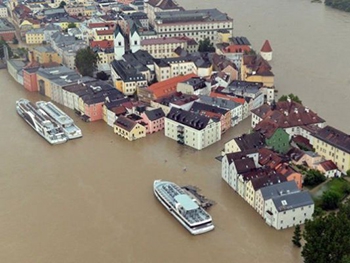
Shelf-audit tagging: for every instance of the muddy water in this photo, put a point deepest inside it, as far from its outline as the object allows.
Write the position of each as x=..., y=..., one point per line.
x=91, y=200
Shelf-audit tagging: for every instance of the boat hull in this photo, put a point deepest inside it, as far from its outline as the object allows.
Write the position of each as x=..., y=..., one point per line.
x=193, y=230
x=57, y=140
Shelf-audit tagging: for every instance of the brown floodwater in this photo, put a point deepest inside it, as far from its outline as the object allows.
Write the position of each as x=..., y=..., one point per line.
x=91, y=199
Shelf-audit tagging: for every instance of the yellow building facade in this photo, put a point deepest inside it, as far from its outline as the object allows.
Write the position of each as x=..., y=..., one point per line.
x=128, y=129
x=45, y=55
x=34, y=37
x=333, y=145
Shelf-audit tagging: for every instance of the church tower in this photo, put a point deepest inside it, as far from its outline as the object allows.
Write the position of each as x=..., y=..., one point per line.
x=119, y=43
x=135, y=39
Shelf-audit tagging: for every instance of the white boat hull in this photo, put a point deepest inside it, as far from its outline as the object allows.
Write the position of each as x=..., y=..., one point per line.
x=193, y=230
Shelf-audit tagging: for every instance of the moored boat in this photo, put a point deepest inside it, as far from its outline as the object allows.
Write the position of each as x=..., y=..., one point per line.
x=184, y=208
x=40, y=122
x=67, y=124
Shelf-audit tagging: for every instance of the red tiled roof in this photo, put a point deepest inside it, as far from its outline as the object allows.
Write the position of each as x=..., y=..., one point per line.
x=105, y=24
x=266, y=47
x=287, y=114
x=223, y=96
x=168, y=86
x=105, y=32
x=328, y=165
x=102, y=43
x=162, y=40
x=269, y=158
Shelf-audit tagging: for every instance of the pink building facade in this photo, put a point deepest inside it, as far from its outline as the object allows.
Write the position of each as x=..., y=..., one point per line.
x=154, y=120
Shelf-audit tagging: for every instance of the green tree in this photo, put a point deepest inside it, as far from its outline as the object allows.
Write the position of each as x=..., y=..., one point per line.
x=327, y=238
x=313, y=177
x=292, y=97
x=14, y=40
x=102, y=75
x=72, y=25
x=205, y=45
x=330, y=200
x=348, y=172
x=62, y=4
x=86, y=61
x=3, y=47
x=297, y=236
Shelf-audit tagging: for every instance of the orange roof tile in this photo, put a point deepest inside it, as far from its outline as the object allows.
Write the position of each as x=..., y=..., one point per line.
x=168, y=86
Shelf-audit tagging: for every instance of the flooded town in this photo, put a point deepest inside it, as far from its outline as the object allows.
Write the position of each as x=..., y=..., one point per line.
x=90, y=198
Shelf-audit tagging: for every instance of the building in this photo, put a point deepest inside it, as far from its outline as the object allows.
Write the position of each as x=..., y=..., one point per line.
x=172, y=67
x=3, y=11
x=96, y=94
x=329, y=169
x=258, y=179
x=30, y=81
x=191, y=129
x=154, y=119
x=15, y=69
x=177, y=100
x=44, y=54
x=213, y=111
x=35, y=36
x=293, y=117
x=275, y=137
x=245, y=142
x=113, y=109
x=234, y=107
x=234, y=49
x=126, y=78
x=197, y=24
x=272, y=191
x=163, y=47
x=290, y=174
x=289, y=210
x=333, y=145
x=266, y=51
x=152, y=7
x=256, y=69
x=125, y=40
x=129, y=129
x=50, y=80
x=161, y=89
x=252, y=92
x=235, y=164
x=270, y=158
x=194, y=86
x=7, y=30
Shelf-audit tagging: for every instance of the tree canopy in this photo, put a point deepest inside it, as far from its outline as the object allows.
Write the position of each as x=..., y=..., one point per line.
x=327, y=238
x=292, y=97
x=313, y=177
x=72, y=25
x=86, y=61
x=339, y=4
x=206, y=46
x=62, y=4
x=3, y=47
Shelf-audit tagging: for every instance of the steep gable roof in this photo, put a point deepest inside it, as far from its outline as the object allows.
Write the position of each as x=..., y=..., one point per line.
x=266, y=47
x=155, y=114
x=250, y=141
x=286, y=114
x=125, y=123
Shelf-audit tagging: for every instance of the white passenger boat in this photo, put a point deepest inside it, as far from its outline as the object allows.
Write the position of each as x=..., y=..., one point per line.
x=185, y=209
x=40, y=122
x=67, y=124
